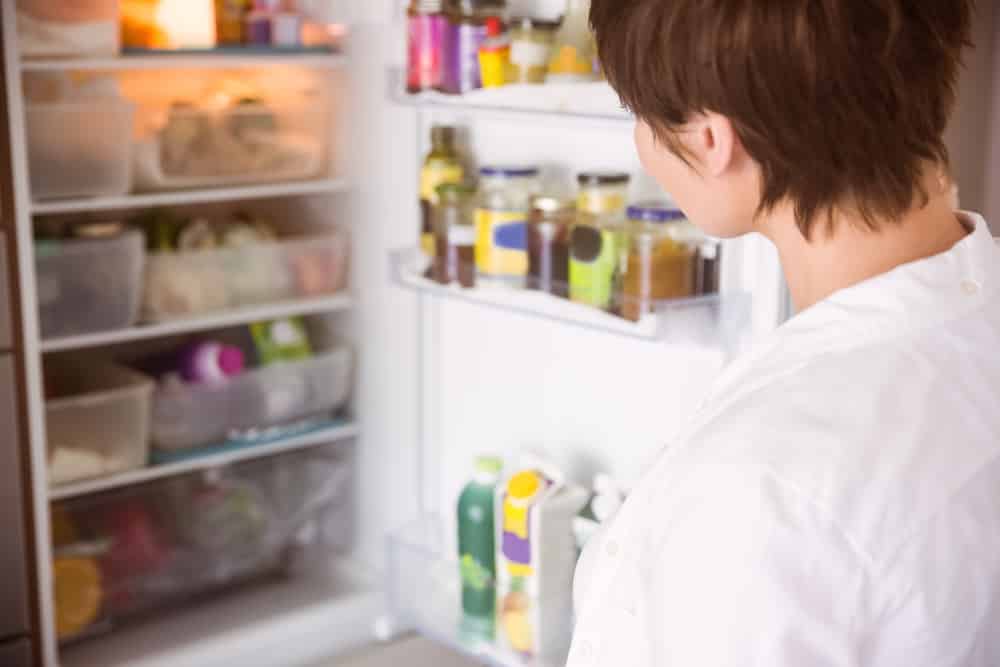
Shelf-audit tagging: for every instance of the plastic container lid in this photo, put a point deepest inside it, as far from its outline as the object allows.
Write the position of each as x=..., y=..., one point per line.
x=596, y=178
x=491, y=465
x=507, y=171
x=524, y=485
x=655, y=211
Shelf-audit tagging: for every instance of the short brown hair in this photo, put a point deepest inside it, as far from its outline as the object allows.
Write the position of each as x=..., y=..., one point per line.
x=841, y=102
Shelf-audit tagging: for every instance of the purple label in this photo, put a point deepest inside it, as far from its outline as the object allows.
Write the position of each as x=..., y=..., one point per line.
x=515, y=549
x=461, y=57
x=425, y=52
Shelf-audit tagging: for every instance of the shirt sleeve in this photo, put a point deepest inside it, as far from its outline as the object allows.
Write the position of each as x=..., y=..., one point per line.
x=749, y=573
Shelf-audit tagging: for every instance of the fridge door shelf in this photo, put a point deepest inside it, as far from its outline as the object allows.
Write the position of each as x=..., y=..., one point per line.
x=594, y=101
x=425, y=593
x=718, y=320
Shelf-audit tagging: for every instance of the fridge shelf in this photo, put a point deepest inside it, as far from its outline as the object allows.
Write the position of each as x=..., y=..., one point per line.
x=714, y=321
x=593, y=101
x=202, y=59
x=425, y=594
x=329, y=432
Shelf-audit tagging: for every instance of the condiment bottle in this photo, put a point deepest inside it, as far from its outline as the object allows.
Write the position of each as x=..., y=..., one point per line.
x=660, y=262
x=442, y=165
x=595, y=259
x=494, y=55
x=603, y=192
x=548, y=244
x=229, y=21
x=505, y=194
x=426, y=25
x=455, y=235
x=709, y=266
x=573, y=56
x=286, y=26
x=531, y=42
x=258, y=23
x=464, y=34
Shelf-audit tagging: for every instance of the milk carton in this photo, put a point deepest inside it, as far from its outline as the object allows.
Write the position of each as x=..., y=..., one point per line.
x=536, y=555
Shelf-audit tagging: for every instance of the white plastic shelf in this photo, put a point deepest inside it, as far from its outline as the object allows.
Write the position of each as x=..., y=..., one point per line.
x=190, y=60
x=425, y=594
x=336, y=432
x=186, y=197
x=712, y=321
x=594, y=101
x=221, y=320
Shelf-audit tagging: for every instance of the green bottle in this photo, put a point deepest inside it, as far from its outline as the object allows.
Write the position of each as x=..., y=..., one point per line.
x=476, y=542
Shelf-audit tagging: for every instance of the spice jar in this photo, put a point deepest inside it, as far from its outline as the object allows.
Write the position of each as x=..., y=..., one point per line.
x=660, y=262
x=595, y=259
x=426, y=24
x=549, y=231
x=464, y=34
x=531, y=42
x=455, y=236
x=603, y=192
x=494, y=55
x=505, y=194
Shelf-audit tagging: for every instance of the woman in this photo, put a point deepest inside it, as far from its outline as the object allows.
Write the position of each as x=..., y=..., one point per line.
x=836, y=501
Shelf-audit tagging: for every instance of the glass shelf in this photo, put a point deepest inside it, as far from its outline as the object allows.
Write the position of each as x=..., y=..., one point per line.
x=425, y=593
x=713, y=321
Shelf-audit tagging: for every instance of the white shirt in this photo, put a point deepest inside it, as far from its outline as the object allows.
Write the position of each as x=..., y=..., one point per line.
x=837, y=500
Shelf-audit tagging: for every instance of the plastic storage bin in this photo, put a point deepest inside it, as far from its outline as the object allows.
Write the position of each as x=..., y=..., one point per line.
x=97, y=419
x=190, y=416
x=137, y=550
x=242, y=144
x=85, y=285
x=182, y=284
x=61, y=29
x=80, y=149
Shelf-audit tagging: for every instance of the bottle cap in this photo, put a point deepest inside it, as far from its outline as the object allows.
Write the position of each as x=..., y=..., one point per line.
x=654, y=211
x=494, y=26
x=491, y=465
x=231, y=360
x=595, y=178
x=524, y=485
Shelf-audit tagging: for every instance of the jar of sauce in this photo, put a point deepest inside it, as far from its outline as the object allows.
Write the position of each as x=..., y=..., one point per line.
x=595, y=259
x=531, y=42
x=603, y=192
x=505, y=194
x=660, y=262
x=455, y=236
x=549, y=231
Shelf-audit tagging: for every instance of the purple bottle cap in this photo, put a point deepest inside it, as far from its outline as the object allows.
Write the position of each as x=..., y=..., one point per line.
x=231, y=360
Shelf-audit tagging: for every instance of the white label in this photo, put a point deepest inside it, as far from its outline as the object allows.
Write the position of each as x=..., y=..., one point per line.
x=529, y=54
x=461, y=235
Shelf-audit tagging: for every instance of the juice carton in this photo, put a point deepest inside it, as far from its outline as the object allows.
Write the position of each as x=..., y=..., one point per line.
x=536, y=555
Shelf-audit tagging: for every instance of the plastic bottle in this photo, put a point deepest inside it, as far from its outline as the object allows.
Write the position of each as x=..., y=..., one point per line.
x=426, y=24
x=476, y=545
x=464, y=35
x=573, y=56
x=494, y=55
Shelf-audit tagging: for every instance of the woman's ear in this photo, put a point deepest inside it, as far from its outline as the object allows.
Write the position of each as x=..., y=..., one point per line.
x=716, y=143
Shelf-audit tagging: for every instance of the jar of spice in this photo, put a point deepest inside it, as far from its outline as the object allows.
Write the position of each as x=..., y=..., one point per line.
x=455, y=236
x=464, y=35
x=595, y=259
x=603, y=192
x=531, y=42
x=549, y=231
x=426, y=24
x=660, y=263
x=505, y=194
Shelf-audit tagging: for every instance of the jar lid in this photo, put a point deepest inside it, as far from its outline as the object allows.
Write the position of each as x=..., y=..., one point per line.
x=593, y=178
x=654, y=211
x=509, y=171
x=551, y=204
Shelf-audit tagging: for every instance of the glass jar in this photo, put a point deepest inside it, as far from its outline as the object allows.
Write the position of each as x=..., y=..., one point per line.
x=709, y=265
x=603, y=192
x=442, y=165
x=595, y=259
x=455, y=236
x=531, y=42
x=464, y=35
x=426, y=24
x=661, y=260
x=505, y=194
x=572, y=58
x=549, y=229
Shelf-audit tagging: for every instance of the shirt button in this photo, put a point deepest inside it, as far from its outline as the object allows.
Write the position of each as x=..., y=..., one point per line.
x=970, y=287
x=611, y=548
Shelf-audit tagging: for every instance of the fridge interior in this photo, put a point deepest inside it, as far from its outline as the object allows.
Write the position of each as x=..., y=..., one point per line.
x=439, y=375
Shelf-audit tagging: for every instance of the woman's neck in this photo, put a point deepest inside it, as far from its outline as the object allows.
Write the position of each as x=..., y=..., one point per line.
x=851, y=253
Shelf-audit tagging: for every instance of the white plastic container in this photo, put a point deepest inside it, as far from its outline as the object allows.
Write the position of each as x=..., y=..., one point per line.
x=191, y=415
x=80, y=149
x=243, y=144
x=183, y=284
x=97, y=419
x=89, y=285
x=66, y=29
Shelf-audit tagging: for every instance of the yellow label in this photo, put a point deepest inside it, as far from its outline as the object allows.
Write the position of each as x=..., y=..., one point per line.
x=493, y=67
x=600, y=203
x=501, y=243
x=435, y=174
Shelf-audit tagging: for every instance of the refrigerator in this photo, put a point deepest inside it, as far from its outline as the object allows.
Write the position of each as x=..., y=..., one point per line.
x=334, y=531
